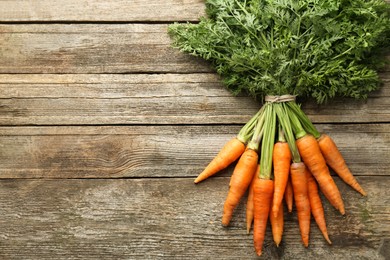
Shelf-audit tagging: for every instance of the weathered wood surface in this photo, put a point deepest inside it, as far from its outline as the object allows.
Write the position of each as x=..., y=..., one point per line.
x=103, y=127
x=92, y=48
x=157, y=151
x=172, y=219
x=100, y=10
x=35, y=99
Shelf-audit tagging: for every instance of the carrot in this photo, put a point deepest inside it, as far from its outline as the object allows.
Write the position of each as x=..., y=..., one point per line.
x=336, y=161
x=277, y=223
x=262, y=198
x=241, y=178
x=249, y=203
x=229, y=153
x=312, y=157
x=315, y=205
x=289, y=195
x=302, y=203
x=281, y=160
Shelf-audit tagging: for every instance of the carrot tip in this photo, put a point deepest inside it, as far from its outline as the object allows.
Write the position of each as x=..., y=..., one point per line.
x=258, y=252
x=197, y=180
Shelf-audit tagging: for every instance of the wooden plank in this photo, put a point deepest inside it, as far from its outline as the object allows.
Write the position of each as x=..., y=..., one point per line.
x=157, y=151
x=172, y=218
x=57, y=99
x=92, y=48
x=100, y=10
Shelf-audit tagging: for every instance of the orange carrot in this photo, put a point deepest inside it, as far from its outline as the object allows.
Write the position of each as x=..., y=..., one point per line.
x=336, y=161
x=241, y=179
x=249, y=203
x=262, y=199
x=229, y=153
x=315, y=205
x=302, y=203
x=281, y=160
x=289, y=195
x=277, y=223
x=311, y=154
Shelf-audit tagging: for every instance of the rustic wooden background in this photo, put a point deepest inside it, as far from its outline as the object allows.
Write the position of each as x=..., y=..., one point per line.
x=103, y=128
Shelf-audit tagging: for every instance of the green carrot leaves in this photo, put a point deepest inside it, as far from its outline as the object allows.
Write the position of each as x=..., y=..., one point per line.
x=317, y=48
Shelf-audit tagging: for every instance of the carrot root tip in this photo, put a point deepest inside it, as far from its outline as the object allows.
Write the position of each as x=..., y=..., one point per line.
x=258, y=252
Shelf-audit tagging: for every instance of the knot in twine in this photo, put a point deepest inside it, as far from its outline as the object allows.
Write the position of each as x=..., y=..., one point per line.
x=279, y=99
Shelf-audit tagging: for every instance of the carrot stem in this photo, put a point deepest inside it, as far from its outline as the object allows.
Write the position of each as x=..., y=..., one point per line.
x=258, y=131
x=296, y=124
x=304, y=119
x=281, y=137
x=267, y=145
x=284, y=120
x=246, y=131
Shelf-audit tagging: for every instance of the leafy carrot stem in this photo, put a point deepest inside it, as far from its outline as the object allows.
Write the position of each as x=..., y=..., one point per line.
x=295, y=123
x=304, y=119
x=258, y=131
x=284, y=120
x=281, y=137
x=246, y=131
x=268, y=142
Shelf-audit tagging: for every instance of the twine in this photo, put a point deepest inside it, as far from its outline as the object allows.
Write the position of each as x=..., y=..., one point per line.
x=279, y=99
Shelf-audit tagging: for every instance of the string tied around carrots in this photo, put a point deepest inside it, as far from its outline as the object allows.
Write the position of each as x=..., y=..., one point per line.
x=279, y=99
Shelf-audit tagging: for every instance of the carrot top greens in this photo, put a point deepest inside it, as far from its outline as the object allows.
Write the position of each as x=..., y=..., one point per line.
x=317, y=48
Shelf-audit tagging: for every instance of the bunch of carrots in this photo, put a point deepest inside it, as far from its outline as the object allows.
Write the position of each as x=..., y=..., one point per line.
x=281, y=155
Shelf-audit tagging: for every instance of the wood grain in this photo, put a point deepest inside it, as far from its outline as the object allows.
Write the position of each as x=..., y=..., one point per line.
x=200, y=98
x=103, y=127
x=92, y=48
x=100, y=10
x=172, y=218
x=157, y=151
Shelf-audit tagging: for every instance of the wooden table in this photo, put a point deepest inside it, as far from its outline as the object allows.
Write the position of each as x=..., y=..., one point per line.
x=103, y=127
